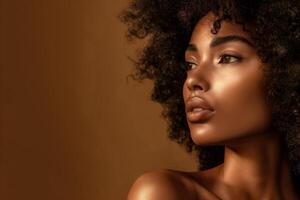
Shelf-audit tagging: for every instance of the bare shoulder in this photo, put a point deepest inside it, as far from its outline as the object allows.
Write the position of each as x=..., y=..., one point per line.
x=170, y=184
x=161, y=184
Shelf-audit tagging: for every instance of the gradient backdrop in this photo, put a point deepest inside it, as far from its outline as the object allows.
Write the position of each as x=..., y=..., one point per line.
x=72, y=128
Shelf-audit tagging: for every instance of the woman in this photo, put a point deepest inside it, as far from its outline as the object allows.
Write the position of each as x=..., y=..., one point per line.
x=227, y=75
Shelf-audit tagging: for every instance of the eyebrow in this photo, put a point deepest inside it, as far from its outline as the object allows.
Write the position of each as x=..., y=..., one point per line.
x=221, y=40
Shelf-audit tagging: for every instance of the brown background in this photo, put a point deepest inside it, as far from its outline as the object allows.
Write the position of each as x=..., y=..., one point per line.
x=71, y=126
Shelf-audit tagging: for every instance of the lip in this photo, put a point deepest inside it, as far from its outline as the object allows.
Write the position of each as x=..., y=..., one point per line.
x=198, y=110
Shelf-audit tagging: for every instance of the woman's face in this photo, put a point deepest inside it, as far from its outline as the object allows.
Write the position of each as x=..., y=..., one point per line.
x=226, y=73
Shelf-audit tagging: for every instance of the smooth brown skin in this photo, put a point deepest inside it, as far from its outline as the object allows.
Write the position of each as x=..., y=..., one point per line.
x=255, y=166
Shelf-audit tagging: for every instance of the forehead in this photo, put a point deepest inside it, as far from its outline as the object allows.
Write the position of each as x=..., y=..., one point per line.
x=205, y=24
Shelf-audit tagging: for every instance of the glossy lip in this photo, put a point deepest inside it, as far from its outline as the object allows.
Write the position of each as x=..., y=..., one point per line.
x=198, y=110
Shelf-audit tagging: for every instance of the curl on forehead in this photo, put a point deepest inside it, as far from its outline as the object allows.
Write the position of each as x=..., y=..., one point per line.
x=232, y=30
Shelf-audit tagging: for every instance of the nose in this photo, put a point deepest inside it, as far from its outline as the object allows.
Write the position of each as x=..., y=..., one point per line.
x=196, y=80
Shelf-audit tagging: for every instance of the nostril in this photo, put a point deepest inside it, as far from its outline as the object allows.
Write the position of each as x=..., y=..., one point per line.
x=197, y=87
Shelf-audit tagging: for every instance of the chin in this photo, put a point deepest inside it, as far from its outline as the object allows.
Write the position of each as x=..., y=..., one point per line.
x=202, y=135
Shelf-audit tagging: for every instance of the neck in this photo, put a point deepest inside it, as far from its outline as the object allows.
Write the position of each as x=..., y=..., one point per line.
x=257, y=168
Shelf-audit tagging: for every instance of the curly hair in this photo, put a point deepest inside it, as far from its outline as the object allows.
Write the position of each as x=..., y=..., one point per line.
x=167, y=26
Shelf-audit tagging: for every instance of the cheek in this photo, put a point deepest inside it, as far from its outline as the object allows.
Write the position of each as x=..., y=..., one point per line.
x=241, y=108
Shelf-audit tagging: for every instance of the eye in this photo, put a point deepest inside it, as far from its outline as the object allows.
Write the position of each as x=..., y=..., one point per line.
x=190, y=65
x=226, y=58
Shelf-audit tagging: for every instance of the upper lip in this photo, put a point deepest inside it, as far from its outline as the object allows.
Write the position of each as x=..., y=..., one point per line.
x=197, y=102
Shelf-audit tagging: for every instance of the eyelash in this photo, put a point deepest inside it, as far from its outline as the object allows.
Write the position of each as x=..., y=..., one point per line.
x=189, y=65
x=238, y=58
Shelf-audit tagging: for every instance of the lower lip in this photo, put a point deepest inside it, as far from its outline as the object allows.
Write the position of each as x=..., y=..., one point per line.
x=199, y=116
